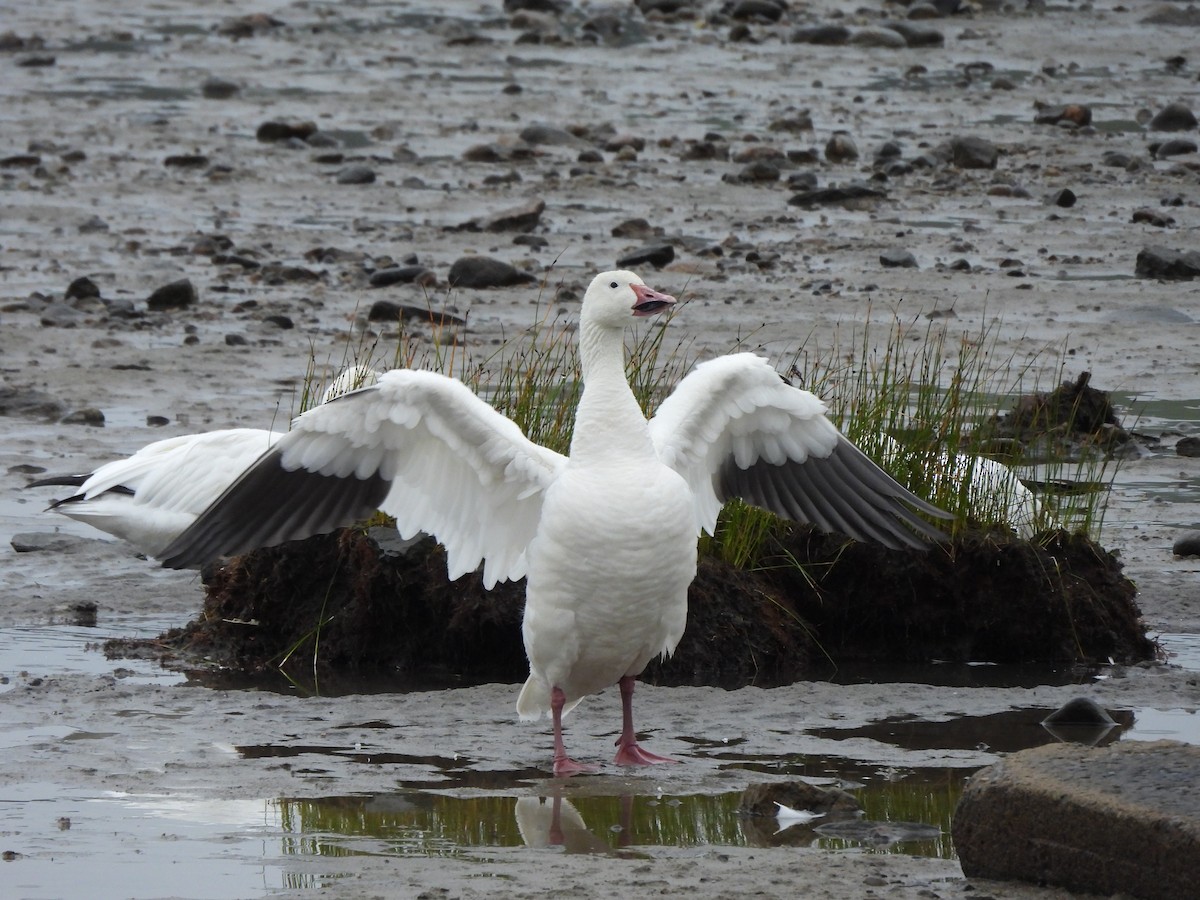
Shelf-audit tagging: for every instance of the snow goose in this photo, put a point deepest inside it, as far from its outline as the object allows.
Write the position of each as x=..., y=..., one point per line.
x=151, y=497
x=606, y=536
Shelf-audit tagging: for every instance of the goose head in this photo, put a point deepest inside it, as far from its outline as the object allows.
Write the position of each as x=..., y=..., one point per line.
x=613, y=297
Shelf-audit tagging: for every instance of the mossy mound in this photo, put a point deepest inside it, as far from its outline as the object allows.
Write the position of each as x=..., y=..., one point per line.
x=359, y=609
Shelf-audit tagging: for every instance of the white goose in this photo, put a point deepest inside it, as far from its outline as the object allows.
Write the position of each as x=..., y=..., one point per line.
x=605, y=536
x=148, y=499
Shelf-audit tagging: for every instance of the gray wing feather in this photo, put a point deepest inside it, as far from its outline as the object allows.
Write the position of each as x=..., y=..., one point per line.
x=844, y=492
x=269, y=505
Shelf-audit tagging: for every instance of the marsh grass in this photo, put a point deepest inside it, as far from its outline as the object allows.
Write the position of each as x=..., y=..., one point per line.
x=917, y=397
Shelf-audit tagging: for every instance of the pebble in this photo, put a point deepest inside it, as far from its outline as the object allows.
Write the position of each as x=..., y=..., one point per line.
x=218, y=88
x=81, y=289
x=1174, y=117
x=1188, y=446
x=916, y=35
x=412, y=274
x=973, y=153
x=824, y=35
x=1065, y=198
x=356, y=174
x=272, y=131
x=1152, y=217
x=186, y=161
x=840, y=148
x=88, y=415
x=1166, y=264
x=877, y=37
x=1174, y=147
x=657, y=255
x=176, y=295
x=855, y=195
x=897, y=259
x=485, y=272
x=1188, y=545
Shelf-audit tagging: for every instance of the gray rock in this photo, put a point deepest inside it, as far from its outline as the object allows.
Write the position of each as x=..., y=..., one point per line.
x=1174, y=147
x=1174, y=117
x=840, y=148
x=973, y=153
x=551, y=135
x=1188, y=446
x=1151, y=216
x=401, y=275
x=44, y=542
x=657, y=255
x=485, y=272
x=356, y=174
x=1118, y=819
x=825, y=35
x=176, y=295
x=1188, y=545
x=854, y=195
x=877, y=37
x=218, y=88
x=917, y=35
x=897, y=259
x=89, y=415
x=519, y=218
x=1167, y=264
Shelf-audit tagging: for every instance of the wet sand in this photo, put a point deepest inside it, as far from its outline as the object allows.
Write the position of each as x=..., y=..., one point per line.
x=407, y=94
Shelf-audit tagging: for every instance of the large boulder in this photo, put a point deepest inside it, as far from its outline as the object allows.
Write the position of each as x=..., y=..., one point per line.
x=1119, y=819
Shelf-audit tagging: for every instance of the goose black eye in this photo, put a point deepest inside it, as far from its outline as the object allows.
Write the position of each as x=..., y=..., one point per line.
x=613, y=285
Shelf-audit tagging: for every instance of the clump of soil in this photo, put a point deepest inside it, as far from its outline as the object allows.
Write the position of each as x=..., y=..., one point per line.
x=986, y=596
x=1074, y=413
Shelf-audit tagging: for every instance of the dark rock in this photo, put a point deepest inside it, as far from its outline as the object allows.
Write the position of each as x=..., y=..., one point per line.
x=157, y=421
x=1167, y=264
x=764, y=10
x=520, y=218
x=1082, y=712
x=1187, y=545
x=248, y=26
x=498, y=153
x=1118, y=159
x=88, y=415
x=803, y=181
x=356, y=174
x=634, y=228
x=236, y=340
x=270, y=132
x=387, y=311
x=280, y=321
x=93, y=224
x=282, y=273
x=1175, y=147
x=186, y=161
x=855, y=194
x=1173, y=117
x=1121, y=819
x=840, y=148
x=824, y=35
x=917, y=35
x=758, y=172
x=897, y=259
x=1065, y=198
x=657, y=255
x=401, y=275
x=20, y=161
x=793, y=122
x=1172, y=14
x=485, y=272
x=973, y=153
x=218, y=88
x=1153, y=217
x=81, y=289
x=39, y=61
x=233, y=259
x=176, y=295
x=1188, y=446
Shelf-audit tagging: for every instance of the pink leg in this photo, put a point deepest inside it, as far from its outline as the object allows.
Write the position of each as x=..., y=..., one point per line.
x=563, y=764
x=628, y=751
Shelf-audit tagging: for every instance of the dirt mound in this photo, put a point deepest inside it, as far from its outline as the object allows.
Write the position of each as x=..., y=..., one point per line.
x=357, y=608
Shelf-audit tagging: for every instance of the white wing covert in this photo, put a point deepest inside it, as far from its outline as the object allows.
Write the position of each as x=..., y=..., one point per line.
x=418, y=445
x=734, y=428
